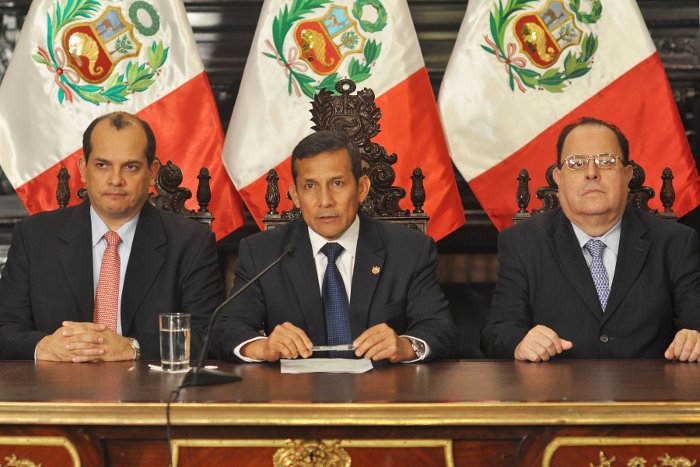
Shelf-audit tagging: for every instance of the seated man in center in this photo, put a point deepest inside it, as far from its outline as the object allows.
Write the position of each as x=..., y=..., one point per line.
x=350, y=280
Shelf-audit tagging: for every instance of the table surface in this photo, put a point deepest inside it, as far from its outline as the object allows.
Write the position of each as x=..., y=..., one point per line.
x=463, y=392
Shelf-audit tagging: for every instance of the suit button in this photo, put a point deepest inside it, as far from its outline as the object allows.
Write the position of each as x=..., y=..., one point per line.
x=604, y=339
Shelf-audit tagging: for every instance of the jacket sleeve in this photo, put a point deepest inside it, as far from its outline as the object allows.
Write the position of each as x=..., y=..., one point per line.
x=18, y=333
x=511, y=316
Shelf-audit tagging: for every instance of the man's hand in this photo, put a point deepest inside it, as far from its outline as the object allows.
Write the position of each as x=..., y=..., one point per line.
x=540, y=344
x=84, y=342
x=285, y=341
x=380, y=342
x=685, y=346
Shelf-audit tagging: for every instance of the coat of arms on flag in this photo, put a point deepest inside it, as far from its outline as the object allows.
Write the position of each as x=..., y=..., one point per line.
x=86, y=41
x=542, y=36
x=323, y=40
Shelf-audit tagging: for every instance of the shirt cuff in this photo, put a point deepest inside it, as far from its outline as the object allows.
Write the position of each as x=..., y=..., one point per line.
x=427, y=349
x=237, y=350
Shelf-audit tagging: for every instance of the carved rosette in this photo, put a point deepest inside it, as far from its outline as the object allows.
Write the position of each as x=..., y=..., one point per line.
x=301, y=453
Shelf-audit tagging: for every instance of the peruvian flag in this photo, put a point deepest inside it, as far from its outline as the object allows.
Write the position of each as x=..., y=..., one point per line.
x=80, y=59
x=522, y=70
x=302, y=46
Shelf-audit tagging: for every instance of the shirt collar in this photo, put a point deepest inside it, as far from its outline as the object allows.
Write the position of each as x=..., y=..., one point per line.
x=611, y=238
x=348, y=240
x=126, y=231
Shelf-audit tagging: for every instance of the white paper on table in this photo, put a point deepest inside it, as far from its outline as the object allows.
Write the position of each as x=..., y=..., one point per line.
x=325, y=365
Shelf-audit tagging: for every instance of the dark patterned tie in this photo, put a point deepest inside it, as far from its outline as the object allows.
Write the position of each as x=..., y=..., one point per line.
x=598, y=271
x=335, y=302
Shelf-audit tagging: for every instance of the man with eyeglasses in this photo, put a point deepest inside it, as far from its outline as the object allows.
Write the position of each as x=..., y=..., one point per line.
x=595, y=278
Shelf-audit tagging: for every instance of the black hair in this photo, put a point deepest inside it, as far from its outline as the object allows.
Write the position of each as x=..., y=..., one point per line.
x=327, y=141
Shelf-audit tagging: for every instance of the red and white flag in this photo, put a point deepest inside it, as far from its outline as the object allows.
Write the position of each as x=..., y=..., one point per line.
x=302, y=46
x=78, y=59
x=522, y=70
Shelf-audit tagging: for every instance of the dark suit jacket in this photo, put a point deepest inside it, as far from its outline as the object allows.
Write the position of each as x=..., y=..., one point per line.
x=544, y=279
x=48, y=278
x=405, y=294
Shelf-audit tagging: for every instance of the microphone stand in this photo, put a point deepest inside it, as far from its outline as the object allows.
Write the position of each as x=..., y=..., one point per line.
x=200, y=376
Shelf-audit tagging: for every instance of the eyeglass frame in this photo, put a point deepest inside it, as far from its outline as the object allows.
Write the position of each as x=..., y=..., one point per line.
x=595, y=158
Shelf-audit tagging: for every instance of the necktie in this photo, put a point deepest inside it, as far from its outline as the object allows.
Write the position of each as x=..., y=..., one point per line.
x=107, y=295
x=335, y=301
x=598, y=271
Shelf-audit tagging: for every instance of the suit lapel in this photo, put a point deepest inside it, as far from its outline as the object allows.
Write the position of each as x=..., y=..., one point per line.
x=631, y=256
x=569, y=256
x=75, y=258
x=301, y=270
x=146, y=259
x=368, y=257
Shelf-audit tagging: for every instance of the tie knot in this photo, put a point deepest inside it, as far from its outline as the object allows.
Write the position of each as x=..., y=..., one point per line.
x=112, y=237
x=332, y=251
x=595, y=248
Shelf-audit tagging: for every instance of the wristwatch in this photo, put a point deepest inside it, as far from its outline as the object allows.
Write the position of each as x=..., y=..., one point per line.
x=418, y=346
x=137, y=348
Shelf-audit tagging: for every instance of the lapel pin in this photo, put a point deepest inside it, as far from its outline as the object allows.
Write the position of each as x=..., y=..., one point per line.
x=376, y=270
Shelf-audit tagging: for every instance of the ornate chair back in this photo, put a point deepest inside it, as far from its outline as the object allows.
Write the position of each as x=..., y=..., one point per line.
x=358, y=116
x=638, y=197
x=169, y=196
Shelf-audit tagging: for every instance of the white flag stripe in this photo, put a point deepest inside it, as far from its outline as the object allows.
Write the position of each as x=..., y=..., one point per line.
x=475, y=93
x=53, y=130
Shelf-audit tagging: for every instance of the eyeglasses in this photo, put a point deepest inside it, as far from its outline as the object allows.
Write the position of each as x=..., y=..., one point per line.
x=604, y=160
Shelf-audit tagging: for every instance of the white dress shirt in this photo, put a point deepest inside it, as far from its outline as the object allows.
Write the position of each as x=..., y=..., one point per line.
x=612, y=244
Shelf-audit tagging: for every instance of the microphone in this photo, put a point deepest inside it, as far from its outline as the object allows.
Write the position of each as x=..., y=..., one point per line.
x=200, y=376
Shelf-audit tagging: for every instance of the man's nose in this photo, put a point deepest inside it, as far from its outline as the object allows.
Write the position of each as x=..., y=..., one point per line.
x=325, y=197
x=115, y=177
x=592, y=170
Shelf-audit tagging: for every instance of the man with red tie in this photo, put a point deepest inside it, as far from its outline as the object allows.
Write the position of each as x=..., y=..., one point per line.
x=87, y=283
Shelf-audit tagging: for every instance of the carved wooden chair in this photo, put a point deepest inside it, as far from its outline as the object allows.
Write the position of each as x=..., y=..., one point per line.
x=169, y=196
x=357, y=116
x=638, y=197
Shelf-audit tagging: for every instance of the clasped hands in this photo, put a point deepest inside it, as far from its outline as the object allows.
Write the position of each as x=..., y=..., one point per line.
x=84, y=342
x=542, y=343
x=379, y=342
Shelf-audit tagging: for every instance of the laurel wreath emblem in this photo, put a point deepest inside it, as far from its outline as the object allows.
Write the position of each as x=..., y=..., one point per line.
x=137, y=77
x=554, y=79
x=299, y=82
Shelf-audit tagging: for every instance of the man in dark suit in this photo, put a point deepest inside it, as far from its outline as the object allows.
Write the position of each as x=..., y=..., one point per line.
x=351, y=280
x=61, y=300
x=595, y=279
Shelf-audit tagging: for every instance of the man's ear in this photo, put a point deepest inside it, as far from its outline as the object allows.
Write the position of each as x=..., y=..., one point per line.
x=556, y=175
x=295, y=196
x=154, y=168
x=363, y=186
x=82, y=167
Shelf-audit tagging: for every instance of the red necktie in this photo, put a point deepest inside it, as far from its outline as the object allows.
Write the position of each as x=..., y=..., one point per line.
x=107, y=296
